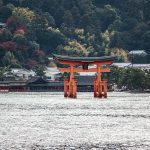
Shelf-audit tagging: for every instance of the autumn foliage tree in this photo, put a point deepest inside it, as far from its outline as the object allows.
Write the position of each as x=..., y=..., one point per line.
x=74, y=27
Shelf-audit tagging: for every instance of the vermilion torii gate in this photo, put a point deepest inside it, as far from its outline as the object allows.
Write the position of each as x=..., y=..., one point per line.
x=70, y=85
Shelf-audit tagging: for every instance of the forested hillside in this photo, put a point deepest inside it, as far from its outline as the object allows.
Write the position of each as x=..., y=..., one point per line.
x=37, y=28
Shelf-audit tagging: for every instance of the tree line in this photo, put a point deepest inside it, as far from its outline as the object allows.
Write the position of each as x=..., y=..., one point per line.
x=37, y=28
x=132, y=78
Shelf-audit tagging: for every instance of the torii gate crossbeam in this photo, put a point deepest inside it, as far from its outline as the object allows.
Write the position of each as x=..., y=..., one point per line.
x=70, y=85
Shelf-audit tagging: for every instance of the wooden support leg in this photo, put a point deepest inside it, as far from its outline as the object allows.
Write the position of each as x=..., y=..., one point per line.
x=74, y=88
x=100, y=89
x=70, y=89
x=65, y=87
x=72, y=83
x=95, y=87
x=99, y=82
x=105, y=89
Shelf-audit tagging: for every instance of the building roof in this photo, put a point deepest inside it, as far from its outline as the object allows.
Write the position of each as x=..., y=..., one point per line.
x=2, y=24
x=49, y=84
x=52, y=71
x=37, y=80
x=21, y=70
x=126, y=65
x=142, y=66
x=11, y=81
x=137, y=52
x=83, y=59
x=122, y=65
x=85, y=80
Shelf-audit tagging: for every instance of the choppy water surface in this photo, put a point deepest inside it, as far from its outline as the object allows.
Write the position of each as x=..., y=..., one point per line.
x=43, y=121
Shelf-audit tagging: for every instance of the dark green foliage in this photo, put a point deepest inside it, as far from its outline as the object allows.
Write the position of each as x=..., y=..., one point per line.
x=39, y=70
x=73, y=27
x=5, y=12
x=1, y=72
x=134, y=79
x=5, y=35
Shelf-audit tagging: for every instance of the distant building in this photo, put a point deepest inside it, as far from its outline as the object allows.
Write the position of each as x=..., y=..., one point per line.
x=2, y=25
x=129, y=65
x=85, y=83
x=52, y=73
x=138, y=52
x=35, y=84
x=10, y=84
x=19, y=73
x=138, y=56
x=40, y=84
x=142, y=66
x=122, y=65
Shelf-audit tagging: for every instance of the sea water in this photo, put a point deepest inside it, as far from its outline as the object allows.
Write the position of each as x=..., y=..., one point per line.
x=43, y=121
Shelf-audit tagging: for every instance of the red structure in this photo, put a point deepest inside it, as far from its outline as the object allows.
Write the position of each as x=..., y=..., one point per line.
x=70, y=85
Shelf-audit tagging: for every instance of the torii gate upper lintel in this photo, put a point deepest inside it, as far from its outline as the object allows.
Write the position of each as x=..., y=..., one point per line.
x=70, y=85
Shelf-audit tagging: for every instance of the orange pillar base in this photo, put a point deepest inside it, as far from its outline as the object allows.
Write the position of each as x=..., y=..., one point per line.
x=75, y=88
x=95, y=87
x=105, y=88
x=100, y=89
x=71, y=89
x=66, y=87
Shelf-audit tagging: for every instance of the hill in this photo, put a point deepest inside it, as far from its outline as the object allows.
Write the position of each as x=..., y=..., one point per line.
x=35, y=29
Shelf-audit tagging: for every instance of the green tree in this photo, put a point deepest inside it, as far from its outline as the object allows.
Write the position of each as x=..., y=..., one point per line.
x=68, y=19
x=120, y=54
x=147, y=81
x=33, y=45
x=2, y=71
x=146, y=40
x=5, y=35
x=76, y=14
x=5, y=12
x=135, y=79
x=1, y=3
x=39, y=70
x=24, y=16
x=9, y=58
x=116, y=75
x=20, y=39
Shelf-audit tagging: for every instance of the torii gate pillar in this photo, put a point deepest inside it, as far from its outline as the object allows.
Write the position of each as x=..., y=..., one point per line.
x=100, y=86
x=70, y=85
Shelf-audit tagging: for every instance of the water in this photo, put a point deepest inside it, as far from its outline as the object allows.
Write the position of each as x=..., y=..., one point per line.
x=43, y=121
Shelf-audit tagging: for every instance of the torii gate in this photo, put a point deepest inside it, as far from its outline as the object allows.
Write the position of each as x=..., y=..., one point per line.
x=70, y=85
